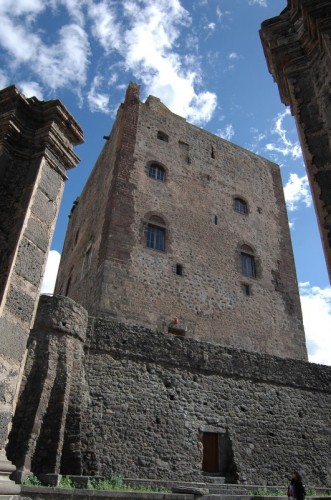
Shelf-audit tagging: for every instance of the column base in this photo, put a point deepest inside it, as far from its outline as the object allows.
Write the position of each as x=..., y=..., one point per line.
x=7, y=486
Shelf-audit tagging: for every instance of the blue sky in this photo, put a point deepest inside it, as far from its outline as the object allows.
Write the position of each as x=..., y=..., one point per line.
x=204, y=59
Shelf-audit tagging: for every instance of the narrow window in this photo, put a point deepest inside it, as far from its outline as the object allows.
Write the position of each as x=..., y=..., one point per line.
x=248, y=265
x=76, y=237
x=87, y=260
x=176, y=331
x=156, y=172
x=212, y=152
x=179, y=269
x=162, y=136
x=246, y=289
x=155, y=237
x=240, y=206
x=216, y=219
x=183, y=146
x=68, y=287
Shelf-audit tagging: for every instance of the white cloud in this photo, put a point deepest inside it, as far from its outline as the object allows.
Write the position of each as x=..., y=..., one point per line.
x=31, y=89
x=66, y=61
x=297, y=191
x=51, y=270
x=148, y=43
x=4, y=81
x=105, y=27
x=226, y=132
x=261, y=3
x=283, y=144
x=97, y=100
x=57, y=64
x=211, y=26
x=316, y=310
x=233, y=56
x=144, y=35
x=22, y=7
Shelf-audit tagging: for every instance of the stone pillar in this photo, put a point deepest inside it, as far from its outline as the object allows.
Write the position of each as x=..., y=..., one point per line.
x=36, y=140
x=53, y=367
x=298, y=52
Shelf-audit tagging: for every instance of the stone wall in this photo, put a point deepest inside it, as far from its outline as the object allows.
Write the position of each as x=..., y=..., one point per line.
x=297, y=46
x=140, y=402
x=111, y=271
x=153, y=395
x=50, y=389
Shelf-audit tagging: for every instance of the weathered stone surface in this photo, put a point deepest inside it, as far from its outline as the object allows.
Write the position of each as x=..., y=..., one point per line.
x=107, y=267
x=35, y=138
x=297, y=49
x=137, y=402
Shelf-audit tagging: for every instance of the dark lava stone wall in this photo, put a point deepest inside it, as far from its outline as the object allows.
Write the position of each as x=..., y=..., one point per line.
x=153, y=395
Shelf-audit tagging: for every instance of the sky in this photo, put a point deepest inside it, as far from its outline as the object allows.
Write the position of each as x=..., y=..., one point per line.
x=204, y=60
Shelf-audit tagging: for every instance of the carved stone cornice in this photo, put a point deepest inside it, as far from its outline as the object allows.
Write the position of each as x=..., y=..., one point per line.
x=294, y=40
x=30, y=128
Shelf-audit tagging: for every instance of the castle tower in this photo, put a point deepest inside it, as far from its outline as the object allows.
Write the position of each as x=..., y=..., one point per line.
x=183, y=232
x=297, y=46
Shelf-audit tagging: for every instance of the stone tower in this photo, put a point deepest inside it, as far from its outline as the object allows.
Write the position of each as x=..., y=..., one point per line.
x=297, y=46
x=36, y=141
x=183, y=232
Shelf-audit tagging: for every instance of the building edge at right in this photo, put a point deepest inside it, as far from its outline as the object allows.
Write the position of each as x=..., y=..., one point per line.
x=297, y=48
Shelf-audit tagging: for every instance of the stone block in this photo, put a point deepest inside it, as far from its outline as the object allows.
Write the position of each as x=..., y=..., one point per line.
x=30, y=262
x=38, y=232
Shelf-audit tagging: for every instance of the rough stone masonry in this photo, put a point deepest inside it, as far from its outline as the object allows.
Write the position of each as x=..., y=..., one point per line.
x=142, y=403
x=162, y=357
x=36, y=141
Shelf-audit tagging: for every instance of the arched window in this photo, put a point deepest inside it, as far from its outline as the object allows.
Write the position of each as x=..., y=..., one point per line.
x=156, y=172
x=156, y=233
x=240, y=205
x=248, y=267
x=162, y=136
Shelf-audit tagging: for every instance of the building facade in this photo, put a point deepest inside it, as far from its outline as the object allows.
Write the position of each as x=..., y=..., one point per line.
x=297, y=46
x=183, y=232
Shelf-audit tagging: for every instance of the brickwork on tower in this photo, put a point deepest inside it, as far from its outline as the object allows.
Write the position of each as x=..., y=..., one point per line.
x=297, y=46
x=225, y=271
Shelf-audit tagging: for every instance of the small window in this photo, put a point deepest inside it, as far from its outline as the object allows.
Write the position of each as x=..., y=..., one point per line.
x=248, y=265
x=179, y=269
x=155, y=237
x=215, y=219
x=76, y=237
x=240, y=206
x=156, y=172
x=245, y=289
x=68, y=286
x=87, y=260
x=213, y=152
x=162, y=136
x=176, y=331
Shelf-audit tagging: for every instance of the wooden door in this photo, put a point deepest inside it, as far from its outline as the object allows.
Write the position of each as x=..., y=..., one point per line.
x=211, y=452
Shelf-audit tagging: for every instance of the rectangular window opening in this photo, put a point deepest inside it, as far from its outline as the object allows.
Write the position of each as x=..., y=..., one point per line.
x=246, y=289
x=248, y=265
x=179, y=269
x=216, y=220
x=155, y=237
x=176, y=331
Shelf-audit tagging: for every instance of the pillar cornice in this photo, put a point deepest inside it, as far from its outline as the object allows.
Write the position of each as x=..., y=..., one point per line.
x=293, y=40
x=30, y=128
